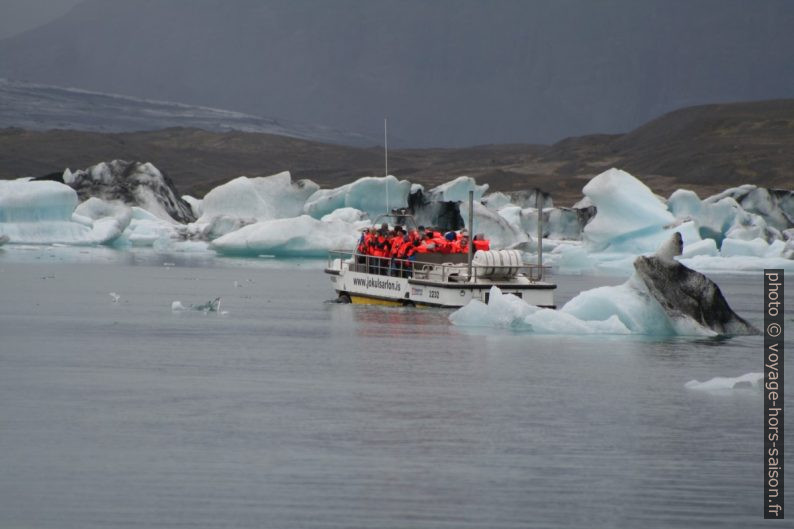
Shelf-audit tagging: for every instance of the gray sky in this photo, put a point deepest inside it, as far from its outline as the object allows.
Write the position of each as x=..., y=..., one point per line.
x=17, y=16
x=445, y=72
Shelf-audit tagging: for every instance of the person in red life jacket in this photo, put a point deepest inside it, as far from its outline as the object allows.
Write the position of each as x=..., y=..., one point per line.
x=406, y=255
x=361, y=249
x=439, y=242
x=394, y=243
x=462, y=244
x=481, y=243
x=421, y=246
x=383, y=246
x=449, y=243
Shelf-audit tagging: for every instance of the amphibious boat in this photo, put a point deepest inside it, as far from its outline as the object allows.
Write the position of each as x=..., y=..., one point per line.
x=437, y=280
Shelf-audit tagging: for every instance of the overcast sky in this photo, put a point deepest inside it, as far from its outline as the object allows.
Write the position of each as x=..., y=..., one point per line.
x=17, y=16
x=445, y=72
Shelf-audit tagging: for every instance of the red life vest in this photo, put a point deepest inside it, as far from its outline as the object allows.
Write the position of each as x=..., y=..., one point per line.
x=482, y=244
x=407, y=249
x=395, y=245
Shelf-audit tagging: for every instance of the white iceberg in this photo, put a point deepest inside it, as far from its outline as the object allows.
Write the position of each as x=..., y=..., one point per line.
x=43, y=212
x=629, y=217
x=496, y=228
x=349, y=215
x=145, y=229
x=372, y=195
x=739, y=247
x=507, y=311
x=261, y=198
x=457, y=190
x=302, y=236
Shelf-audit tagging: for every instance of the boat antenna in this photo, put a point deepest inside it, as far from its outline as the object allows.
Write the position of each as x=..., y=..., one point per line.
x=386, y=161
x=471, y=228
x=539, y=207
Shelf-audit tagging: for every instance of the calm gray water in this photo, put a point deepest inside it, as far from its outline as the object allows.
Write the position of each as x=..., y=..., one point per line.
x=288, y=412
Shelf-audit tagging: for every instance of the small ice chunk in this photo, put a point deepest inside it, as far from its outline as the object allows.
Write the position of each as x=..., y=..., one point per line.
x=726, y=384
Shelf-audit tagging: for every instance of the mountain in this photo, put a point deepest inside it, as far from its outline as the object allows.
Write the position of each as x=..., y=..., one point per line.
x=704, y=148
x=445, y=72
x=41, y=107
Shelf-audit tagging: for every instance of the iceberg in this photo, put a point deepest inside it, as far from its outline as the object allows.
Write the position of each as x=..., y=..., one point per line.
x=262, y=198
x=775, y=206
x=195, y=205
x=662, y=298
x=145, y=229
x=349, y=215
x=507, y=311
x=738, y=247
x=135, y=184
x=629, y=217
x=558, y=223
x=372, y=195
x=302, y=236
x=502, y=234
x=457, y=190
x=43, y=212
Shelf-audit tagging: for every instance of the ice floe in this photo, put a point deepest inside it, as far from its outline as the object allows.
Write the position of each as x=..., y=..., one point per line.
x=748, y=381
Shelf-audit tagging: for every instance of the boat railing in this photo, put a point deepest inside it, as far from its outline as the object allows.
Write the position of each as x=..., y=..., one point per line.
x=438, y=272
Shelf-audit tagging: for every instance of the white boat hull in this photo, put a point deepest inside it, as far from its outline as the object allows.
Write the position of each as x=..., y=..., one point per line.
x=361, y=287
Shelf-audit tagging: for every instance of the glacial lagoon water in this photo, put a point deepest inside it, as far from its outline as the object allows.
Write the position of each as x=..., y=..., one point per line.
x=286, y=411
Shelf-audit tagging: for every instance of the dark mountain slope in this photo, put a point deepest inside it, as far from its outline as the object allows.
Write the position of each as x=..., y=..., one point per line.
x=705, y=148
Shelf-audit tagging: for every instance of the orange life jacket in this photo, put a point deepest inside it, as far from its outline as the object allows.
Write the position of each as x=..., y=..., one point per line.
x=482, y=244
x=407, y=249
x=395, y=245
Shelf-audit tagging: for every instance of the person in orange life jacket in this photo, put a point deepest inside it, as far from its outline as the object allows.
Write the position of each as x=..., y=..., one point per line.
x=394, y=243
x=481, y=243
x=438, y=241
x=462, y=244
x=384, y=247
x=448, y=244
x=421, y=246
x=406, y=254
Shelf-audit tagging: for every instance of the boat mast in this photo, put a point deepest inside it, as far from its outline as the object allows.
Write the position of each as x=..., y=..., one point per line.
x=539, y=207
x=471, y=228
x=386, y=163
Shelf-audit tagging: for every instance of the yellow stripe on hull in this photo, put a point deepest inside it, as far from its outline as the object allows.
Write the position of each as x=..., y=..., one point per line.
x=362, y=300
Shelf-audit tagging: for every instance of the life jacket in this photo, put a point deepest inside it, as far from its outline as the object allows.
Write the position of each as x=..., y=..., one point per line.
x=439, y=241
x=482, y=244
x=407, y=249
x=461, y=247
x=384, y=245
x=362, y=243
x=395, y=245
